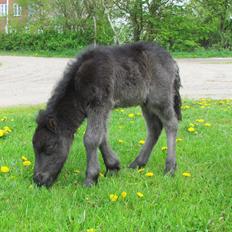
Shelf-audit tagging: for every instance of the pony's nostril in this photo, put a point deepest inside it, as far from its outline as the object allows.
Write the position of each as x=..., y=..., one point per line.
x=39, y=179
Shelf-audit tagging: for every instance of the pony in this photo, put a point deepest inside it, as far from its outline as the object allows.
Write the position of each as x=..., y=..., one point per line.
x=97, y=81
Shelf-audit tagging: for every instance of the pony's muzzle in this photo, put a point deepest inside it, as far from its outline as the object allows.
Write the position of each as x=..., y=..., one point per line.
x=43, y=179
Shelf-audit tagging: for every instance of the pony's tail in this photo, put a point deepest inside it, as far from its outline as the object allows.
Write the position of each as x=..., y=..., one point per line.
x=177, y=97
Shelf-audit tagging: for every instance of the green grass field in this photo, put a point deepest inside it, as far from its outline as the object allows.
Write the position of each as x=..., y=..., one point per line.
x=69, y=53
x=201, y=202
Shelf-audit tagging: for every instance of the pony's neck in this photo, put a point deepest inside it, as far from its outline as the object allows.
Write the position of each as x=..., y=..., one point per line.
x=69, y=113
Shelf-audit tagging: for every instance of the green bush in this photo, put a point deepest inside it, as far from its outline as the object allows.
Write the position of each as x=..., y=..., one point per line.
x=48, y=40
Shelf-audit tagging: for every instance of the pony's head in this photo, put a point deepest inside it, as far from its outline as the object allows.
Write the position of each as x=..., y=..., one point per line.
x=51, y=146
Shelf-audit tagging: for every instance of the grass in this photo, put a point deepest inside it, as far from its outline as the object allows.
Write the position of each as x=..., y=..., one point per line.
x=203, y=54
x=202, y=202
x=69, y=53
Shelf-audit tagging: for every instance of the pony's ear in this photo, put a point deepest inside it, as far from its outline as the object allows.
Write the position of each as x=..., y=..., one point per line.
x=40, y=120
x=52, y=124
x=46, y=120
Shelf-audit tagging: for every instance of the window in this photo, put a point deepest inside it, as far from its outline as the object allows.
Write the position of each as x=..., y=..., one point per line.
x=3, y=9
x=17, y=10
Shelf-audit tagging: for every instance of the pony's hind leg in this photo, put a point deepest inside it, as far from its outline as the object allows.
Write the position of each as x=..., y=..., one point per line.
x=154, y=128
x=170, y=123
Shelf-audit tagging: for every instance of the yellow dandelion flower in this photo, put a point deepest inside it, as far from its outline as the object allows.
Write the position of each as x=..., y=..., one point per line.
x=191, y=129
x=7, y=129
x=185, y=107
x=91, y=230
x=186, y=174
x=131, y=115
x=26, y=163
x=139, y=194
x=207, y=124
x=221, y=102
x=101, y=174
x=202, y=107
x=24, y=158
x=113, y=197
x=3, y=119
x=120, y=141
x=164, y=149
x=140, y=170
x=149, y=174
x=2, y=133
x=179, y=140
x=202, y=99
x=200, y=120
x=4, y=169
x=123, y=195
x=141, y=141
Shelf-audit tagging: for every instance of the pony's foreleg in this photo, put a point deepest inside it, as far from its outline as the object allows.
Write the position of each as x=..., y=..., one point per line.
x=110, y=159
x=93, y=138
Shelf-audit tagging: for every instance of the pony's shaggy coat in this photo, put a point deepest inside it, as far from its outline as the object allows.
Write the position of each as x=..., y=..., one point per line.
x=99, y=80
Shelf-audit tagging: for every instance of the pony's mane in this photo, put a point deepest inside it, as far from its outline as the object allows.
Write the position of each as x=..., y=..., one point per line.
x=70, y=71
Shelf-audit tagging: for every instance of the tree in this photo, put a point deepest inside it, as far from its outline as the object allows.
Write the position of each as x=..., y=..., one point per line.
x=133, y=12
x=216, y=15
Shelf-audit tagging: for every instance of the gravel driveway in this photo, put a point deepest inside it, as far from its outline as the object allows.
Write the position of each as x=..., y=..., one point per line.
x=30, y=80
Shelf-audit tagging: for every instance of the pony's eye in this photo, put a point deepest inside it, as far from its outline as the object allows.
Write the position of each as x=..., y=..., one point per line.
x=50, y=148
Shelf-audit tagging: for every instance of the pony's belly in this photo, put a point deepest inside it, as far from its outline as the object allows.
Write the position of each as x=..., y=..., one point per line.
x=130, y=90
x=124, y=104
x=128, y=99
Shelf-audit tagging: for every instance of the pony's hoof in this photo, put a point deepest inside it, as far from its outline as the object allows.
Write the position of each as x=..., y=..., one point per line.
x=112, y=171
x=170, y=168
x=90, y=182
x=113, y=165
x=135, y=164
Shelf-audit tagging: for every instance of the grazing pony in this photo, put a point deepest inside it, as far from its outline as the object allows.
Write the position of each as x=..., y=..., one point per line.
x=96, y=82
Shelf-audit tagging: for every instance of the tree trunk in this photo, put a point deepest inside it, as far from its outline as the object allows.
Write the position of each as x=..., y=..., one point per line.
x=95, y=31
x=136, y=33
x=116, y=40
